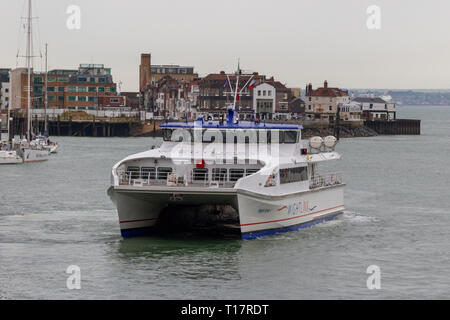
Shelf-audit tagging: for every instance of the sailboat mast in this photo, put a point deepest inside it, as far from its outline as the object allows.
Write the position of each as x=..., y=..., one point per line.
x=28, y=56
x=46, y=94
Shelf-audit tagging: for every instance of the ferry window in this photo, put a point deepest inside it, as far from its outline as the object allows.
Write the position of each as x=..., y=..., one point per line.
x=264, y=136
x=236, y=174
x=134, y=172
x=219, y=174
x=290, y=137
x=167, y=134
x=200, y=174
x=148, y=173
x=163, y=173
x=249, y=172
x=291, y=175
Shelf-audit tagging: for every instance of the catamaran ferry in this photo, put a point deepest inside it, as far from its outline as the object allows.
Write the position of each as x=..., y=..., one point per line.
x=258, y=178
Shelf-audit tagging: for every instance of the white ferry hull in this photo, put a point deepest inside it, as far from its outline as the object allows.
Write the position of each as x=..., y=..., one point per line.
x=262, y=216
x=139, y=210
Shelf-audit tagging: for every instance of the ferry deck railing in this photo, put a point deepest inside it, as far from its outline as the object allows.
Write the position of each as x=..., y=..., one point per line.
x=172, y=180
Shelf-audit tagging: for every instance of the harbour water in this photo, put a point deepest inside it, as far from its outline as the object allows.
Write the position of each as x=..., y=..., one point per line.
x=56, y=214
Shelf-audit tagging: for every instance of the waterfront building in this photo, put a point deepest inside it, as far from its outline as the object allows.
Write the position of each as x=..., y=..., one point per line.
x=131, y=99
x=166, y=97
x=350, y=111
x=5, y=88
x=321, y=103
x=180, y=73
x=375, y=108
x=87, y=88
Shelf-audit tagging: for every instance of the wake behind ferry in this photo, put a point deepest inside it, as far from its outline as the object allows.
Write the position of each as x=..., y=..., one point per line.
x=247, y=177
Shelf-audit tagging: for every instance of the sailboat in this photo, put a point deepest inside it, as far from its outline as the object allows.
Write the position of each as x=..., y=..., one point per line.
x=31, y=150
x=7, y=155
x=44, y=140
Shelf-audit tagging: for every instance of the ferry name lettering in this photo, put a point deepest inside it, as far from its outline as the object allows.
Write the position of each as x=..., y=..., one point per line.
x=298, y=208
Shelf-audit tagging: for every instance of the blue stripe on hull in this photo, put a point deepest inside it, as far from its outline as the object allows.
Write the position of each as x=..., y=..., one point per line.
x=138, y=232
x=263, y=233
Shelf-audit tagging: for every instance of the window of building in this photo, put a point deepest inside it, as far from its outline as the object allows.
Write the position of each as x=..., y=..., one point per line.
x=330, y=108
x=82, y=89
x=219, y=174
x=51, y=89
x=51, y=79
x=269, y=93
x=63, y=79
x=51, y=98
x=82, y=79
x=291, y=175
x=236, y=174
x=61, y=98
x=82, y=98
x=91, y=99
x=264, y=93
x=72, y=98
x=101, y=89
x=60, y=89
x=163, y=173
x=92, y=89
x=101, y=80
x=72, y=89
x=92, y=80
x=115, y=100
x=259, y=92
x=112, y=89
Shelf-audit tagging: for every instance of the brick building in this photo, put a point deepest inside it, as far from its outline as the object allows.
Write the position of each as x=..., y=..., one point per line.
x=89, y=87
x=322, y=103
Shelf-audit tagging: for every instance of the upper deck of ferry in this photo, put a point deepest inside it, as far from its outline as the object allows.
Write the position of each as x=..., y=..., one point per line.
x=244, y=125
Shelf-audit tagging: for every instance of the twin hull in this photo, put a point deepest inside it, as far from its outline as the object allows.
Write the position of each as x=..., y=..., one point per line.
x=259, y=215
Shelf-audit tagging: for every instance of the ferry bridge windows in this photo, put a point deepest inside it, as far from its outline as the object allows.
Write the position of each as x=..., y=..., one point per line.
x=290, y=137
x=249, y=172
x=200, y=174
x=163, y=173
x=291, y=175
x=167, y=134
x=236, y=174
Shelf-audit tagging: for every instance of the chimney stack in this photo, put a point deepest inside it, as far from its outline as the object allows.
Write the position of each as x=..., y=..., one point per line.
x=325, y=84
x=145, y=71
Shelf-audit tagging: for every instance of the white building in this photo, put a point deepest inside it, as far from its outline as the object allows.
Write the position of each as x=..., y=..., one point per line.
x=264, y=100
x=375, y=108
x=350, y=111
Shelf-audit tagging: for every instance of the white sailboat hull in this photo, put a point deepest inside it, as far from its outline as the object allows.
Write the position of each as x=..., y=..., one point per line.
x=35, y=155
x=10, y=157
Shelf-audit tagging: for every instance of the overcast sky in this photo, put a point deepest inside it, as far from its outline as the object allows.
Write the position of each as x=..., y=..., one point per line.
x=296, y=41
